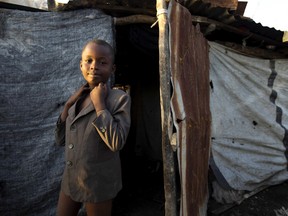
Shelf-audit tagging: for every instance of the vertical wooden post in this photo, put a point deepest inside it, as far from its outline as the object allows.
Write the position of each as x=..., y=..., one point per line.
x=164, y=71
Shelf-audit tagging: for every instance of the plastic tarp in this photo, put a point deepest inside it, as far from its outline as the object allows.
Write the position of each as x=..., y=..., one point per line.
x=38, y=4
x=39, y=60
x=249, y=107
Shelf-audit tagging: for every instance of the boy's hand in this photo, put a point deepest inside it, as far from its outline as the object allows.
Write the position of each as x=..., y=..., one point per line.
x=98, y=96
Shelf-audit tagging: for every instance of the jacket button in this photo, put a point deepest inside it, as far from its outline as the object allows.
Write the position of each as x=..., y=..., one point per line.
x=73, y=127
x=103, y=129
x=69, y=163
x=71, y=146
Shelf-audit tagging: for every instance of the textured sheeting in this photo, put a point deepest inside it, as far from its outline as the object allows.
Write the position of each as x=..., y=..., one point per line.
x=190, y=108
x=39, y=4
x=249, y=106
x=39, y=58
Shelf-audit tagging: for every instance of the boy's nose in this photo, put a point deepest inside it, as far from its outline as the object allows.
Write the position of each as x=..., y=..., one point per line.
x=94, y=65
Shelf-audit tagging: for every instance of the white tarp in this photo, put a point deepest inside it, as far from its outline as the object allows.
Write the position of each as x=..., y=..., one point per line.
x=39, y=69
x=38, y=4
x=249, y=106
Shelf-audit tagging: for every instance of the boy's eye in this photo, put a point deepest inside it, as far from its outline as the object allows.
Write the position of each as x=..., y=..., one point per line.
x=88, y=60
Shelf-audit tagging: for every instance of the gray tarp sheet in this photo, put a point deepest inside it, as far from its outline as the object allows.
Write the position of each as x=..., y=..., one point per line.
x=39, y=60
x=249, y=106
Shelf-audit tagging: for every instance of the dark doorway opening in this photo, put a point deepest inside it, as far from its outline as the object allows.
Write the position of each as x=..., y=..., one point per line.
x=137, y=62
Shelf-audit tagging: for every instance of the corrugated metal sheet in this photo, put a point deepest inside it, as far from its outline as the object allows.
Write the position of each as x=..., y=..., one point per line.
x=222, y=11
x=220, y=15
x=190, y=106
x=227, y=21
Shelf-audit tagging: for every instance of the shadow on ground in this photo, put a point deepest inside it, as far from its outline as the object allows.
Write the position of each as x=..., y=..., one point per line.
x=143, y=191
x=272, y=201
x=143, y=195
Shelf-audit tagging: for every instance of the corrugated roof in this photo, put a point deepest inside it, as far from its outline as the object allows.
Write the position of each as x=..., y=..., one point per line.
x=227, y=17
x=242, y=33
x=217, y=23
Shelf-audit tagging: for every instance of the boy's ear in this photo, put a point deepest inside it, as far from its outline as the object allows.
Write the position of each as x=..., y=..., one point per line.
x=80, y=64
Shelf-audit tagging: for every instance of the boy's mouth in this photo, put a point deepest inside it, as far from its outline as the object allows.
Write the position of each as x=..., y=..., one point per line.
x=93, y=75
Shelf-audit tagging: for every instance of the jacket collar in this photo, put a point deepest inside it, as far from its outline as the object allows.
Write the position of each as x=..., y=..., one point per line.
x=89, y=108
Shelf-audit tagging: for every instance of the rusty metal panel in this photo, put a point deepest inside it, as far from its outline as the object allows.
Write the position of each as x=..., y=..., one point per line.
x=190, y=108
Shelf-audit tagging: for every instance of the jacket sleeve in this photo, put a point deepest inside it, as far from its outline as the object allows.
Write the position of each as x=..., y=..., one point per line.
x=113, y=125
x=60, y=132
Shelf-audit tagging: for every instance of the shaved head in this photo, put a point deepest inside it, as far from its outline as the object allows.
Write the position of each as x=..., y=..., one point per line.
x=103, y=43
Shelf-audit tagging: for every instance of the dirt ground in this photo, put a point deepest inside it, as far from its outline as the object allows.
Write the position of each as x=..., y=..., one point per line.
x=272, y=201
x=143, y=195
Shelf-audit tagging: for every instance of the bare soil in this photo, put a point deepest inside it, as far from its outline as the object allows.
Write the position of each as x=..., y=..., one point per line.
x=272, y=201
x=143, y=195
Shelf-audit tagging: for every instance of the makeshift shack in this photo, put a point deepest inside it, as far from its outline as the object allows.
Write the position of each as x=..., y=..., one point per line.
x=209, y=101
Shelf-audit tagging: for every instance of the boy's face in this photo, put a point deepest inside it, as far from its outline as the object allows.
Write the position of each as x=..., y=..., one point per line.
x=96, y=64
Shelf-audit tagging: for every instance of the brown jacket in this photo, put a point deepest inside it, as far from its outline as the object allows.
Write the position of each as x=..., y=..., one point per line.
x=93, y=170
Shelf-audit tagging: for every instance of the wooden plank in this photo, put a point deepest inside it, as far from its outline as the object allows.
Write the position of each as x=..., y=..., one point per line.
x=111, y=7
x=164, y=70
x=230, y=4
x=134, y=19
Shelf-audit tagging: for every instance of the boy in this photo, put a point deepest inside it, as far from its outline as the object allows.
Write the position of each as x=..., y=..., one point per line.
x=93, y=126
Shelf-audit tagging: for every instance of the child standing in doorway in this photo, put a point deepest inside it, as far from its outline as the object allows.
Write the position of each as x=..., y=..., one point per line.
x=93, y=126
